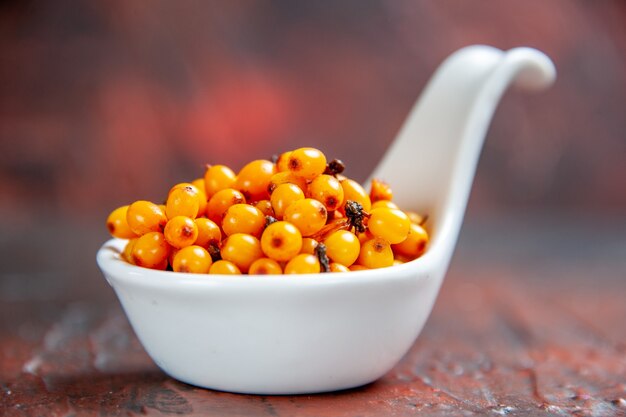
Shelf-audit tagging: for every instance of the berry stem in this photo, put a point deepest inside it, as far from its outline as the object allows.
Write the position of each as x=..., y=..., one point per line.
x=320, y=252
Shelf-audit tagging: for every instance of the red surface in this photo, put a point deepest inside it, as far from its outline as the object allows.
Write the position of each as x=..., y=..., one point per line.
x=542, y=339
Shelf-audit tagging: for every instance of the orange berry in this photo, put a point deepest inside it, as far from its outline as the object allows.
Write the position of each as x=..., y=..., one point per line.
x=416, y=218
x=353, y=191
x=183, y=201
x=282, y=197
x=384, y=203
x=357, y=267
x=307, y=163
x=415, y=243
x=144, y=217
x=192, y=259
x=286, y=178
x=118, y=225
x=265, y=206
x=201, y=186
x=243, y=218
x=151, y=251
x=170, y=257
x=303, y=264
x=342, y=247
x=128, y=251
x=218, y=178
x=309, y=245
x=222, y=267
x=390, y=224
x=181, y=231
x=254, y=178
x=208, y=232
x=367, y=235
x=308, y=215
x=380, y=190
x=376, y=253
x=335, y=267
x=282, y=163
x=281, y=241
x=221, y=201
x=327, y=190
x=265, y=266
x=241, y=249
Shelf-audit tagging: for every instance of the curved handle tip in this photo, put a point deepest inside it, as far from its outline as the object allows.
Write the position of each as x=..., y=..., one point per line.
x=536, y=72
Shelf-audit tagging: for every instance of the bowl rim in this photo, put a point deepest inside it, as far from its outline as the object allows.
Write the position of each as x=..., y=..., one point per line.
x=110, y=262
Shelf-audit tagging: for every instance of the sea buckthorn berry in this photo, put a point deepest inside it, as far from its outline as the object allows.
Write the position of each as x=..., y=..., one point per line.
x=221, y=201
x=415, y=243
x=181, y=231
x=128, y=251
x=416, y=218
x=336, y=267
x=254, y=178
x=201, y=186
x=224, y=268
x=170, y=257
x=281, y=241
x=286, y=178
x=265, y=206
x=265, y=266
x=327, y=190
x=118, y=225
x=179, y=185
x=243, y=218
x=193, y=259
x=308, y=215
x=390, y=224
x=282, y=197
x=380, y=190
x=183, y=201
x=303, y=264
x=218, y=178
x=151, y=251
x=241, y=249
x=384, y=203
x=353, y=191
x=208, y=232
x=307, y=162
x=342, y=247
x=309, y=245
x=367, y=235
x=144, y=217
x=357, y=267
x=282, y=163
x=376, y=253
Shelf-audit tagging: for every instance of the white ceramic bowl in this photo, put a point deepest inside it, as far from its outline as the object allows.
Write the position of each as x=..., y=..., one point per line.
x=312, y=333
x=274, y=334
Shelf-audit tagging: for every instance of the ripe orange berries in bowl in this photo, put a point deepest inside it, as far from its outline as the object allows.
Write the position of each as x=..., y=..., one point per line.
x=297, y=214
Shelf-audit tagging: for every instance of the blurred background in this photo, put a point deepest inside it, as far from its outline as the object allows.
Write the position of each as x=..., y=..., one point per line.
x=106, y=102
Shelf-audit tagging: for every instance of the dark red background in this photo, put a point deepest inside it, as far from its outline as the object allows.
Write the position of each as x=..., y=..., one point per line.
x=109, y=101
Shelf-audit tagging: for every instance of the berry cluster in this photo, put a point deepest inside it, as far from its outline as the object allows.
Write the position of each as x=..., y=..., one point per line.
x=298, y=214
